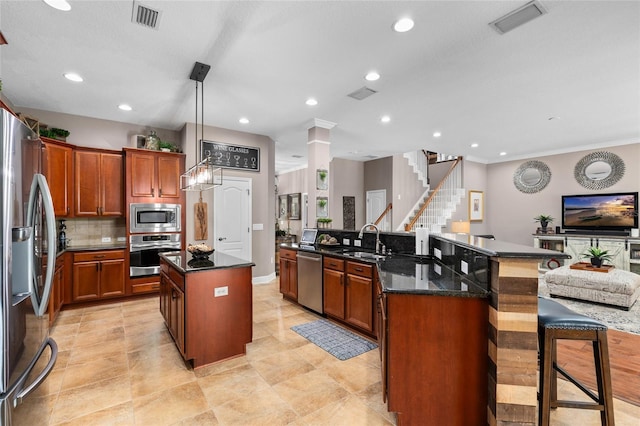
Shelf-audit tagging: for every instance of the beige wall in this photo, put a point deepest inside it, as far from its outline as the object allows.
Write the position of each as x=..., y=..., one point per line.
x=262, y=189
x=407, y=190
x=510, y=212
x=95, y=133
x=347, y=180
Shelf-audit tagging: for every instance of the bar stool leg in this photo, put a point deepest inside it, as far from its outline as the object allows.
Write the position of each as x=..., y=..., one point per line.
x=546, y=368
x=554, y=375
x=603, y=374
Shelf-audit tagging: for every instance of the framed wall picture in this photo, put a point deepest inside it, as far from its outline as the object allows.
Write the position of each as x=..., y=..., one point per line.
x=322, y=207
x=322, y=179
x=476, y=206
x=283, y=207
x=294, y=206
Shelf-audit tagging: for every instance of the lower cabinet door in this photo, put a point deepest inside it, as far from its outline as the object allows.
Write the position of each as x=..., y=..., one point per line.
x=86, y=281
x=334, y=293
x=112, y=278
x=359, y=302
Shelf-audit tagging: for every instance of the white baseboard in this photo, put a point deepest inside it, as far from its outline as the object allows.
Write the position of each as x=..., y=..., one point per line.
x=266, y=279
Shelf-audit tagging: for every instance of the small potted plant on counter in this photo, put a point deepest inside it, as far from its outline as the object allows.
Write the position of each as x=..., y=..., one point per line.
x=544, y=221
x=597, y=256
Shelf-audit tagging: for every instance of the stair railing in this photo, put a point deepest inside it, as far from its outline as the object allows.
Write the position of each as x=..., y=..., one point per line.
x=448, y=184
x=383, y=214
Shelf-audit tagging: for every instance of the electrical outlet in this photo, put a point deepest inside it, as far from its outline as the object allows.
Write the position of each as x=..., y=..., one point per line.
x=106, y=239
x=221, y=291
x=121, y=239
x=345, y=242
x=357, y=243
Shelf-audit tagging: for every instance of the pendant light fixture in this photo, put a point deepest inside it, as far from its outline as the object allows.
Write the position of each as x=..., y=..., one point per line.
x=203, y=175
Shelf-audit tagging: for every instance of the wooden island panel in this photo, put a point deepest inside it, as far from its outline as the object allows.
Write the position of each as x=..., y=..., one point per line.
x=218, y=327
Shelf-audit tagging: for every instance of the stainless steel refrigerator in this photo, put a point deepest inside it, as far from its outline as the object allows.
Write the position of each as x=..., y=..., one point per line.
x=28, y=246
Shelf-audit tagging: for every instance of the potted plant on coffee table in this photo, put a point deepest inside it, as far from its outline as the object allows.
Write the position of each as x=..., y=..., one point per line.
x=544, y=220
x=597, y=256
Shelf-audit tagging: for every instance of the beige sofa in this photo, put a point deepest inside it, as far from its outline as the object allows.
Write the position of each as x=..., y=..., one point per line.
x=616, y=287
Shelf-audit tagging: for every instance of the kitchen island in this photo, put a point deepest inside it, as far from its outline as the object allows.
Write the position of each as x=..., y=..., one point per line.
x=207, y=305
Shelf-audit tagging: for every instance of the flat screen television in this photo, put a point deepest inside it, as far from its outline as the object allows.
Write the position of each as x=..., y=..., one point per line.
x=600, y=212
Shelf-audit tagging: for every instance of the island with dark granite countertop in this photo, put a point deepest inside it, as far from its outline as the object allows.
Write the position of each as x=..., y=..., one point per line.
x=207, y=305
x=457, y=329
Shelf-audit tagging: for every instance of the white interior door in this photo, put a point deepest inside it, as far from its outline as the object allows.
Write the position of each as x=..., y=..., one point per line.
x=376, y=203
x=232, y=220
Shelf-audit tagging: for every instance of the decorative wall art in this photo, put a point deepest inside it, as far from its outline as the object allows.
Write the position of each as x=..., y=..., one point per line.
x=283, y=209
x=599, y=170
x=532, y=176
x=348, y=212
x=476, y=206
x=322, y=207
x=231, y=156
x=294, y=206
x=322, y=179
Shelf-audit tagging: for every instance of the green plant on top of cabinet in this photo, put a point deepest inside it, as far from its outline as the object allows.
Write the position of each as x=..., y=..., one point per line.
x=98, y=182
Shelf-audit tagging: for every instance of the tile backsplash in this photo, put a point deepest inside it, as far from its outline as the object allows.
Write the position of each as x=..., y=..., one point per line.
x=85, y=231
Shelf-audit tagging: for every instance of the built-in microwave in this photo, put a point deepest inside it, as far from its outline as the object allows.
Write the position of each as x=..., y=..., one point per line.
x=149, y=217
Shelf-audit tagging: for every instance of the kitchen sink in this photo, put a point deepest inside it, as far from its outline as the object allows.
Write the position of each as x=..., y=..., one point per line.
x=365, y=255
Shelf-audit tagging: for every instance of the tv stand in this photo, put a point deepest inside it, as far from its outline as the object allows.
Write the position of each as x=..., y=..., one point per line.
x=624, y=250
x=618, y=233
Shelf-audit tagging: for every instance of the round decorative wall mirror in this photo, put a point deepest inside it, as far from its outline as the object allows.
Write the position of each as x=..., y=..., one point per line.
x=599, y=170
x=532, y=176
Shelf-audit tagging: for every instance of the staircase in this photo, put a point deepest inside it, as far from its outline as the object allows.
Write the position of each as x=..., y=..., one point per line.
x=435, y=206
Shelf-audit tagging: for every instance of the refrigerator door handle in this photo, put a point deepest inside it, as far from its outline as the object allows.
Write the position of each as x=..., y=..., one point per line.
x=40, y=183
x=25, y=391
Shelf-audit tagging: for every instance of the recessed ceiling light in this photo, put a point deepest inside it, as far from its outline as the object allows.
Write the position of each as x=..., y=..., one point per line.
x=73, y=77
x=385, y=119
x=311, y=102
x=474, y=145
x=437, y=134
x=403, y=25
x=125, y=107
x=244, y=120
x=59, y=4
x=503, y=153
x=372, y=76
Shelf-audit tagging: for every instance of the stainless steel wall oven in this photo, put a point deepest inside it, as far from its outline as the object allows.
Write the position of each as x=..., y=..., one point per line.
x=154, y=217
x=144, y=252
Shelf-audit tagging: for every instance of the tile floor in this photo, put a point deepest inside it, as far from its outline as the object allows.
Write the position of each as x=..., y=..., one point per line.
x=118, y=366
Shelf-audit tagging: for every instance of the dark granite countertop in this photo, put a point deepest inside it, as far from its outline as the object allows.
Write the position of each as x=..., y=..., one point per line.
x=184, y=261
x=93, y=247
x=496, y=248
x=400, y=273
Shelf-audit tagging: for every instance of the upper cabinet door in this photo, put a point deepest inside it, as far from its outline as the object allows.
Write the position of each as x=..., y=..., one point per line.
x=98, y=181
x=87, y=183
x=59, y=173
x=143, y=172
x=111, y=185
x=169, y=172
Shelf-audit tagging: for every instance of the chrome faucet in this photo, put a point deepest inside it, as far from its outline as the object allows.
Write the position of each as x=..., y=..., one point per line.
x=377, y=235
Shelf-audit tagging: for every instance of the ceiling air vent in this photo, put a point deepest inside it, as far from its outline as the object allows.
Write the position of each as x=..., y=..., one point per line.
x=518, y=17
x=145, y=16
x=362, y=93
x=296, y=156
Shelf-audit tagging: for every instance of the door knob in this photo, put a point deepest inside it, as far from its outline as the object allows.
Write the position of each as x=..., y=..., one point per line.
x=222, y=238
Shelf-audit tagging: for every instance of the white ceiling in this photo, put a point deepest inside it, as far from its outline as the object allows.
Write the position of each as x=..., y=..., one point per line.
x=452, y=73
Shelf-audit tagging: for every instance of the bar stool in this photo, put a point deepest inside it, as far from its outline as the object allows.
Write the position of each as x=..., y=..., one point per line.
x=555, y=322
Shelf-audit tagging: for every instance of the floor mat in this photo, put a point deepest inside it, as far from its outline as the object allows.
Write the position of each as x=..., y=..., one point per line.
x=334, y=339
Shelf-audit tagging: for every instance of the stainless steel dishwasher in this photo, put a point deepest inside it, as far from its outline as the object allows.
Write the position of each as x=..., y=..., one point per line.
x=310, y=280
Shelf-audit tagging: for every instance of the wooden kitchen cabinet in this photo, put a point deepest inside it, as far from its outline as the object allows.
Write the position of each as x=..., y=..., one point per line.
x=172, y=306
x=208, y=312
x=348, y=293
x=289, y=274
x=58, y=170
x=153, y=176
x=98, y=180
x=98, y=275
x=434, y=358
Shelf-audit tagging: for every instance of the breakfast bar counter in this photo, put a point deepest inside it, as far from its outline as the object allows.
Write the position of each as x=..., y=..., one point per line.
x=207, y=305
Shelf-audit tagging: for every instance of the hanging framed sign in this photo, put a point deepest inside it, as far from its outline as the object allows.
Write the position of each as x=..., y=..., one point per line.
x=231, y=156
